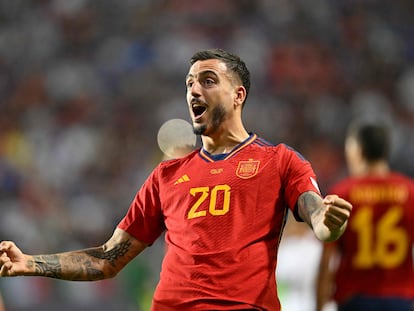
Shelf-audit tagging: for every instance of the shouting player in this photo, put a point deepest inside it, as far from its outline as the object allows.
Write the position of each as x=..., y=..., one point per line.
x=222, y=208
x=375, y=270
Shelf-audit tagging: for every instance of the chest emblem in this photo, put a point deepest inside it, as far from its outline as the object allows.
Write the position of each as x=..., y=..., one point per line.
x=247, y=169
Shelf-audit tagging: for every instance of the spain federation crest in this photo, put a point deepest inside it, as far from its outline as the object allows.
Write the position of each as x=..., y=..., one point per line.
x=247, y=169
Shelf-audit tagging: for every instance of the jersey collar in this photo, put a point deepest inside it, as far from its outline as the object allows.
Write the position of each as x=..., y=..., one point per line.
x=224, y=156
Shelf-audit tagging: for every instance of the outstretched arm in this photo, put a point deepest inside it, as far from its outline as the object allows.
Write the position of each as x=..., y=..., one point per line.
x=89, y=264
x=327, y=217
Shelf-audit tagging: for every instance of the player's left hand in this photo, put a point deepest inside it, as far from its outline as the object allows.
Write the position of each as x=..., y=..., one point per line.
x=336, y=215
x=337, y=212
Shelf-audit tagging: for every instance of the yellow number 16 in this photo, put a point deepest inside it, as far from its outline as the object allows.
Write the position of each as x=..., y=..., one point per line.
x=382, y=243
x=204, y=194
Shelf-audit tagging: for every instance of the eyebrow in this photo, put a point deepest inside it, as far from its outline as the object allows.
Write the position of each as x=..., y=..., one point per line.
x=202, y=73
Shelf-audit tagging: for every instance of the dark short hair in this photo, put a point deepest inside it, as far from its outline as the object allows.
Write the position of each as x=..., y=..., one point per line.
x=374, y=140
x=233, y=63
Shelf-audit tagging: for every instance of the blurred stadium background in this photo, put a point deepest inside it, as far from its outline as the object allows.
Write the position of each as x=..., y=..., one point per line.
x=85, y=85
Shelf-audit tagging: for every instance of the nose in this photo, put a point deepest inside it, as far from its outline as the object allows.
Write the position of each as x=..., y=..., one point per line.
x=195, y=89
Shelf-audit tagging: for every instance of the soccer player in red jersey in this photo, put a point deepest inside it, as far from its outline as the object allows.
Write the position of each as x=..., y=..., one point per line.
x=374, y=269
x=222, y=208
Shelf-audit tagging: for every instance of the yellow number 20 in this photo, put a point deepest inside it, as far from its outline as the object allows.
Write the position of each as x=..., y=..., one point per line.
x=380, y=243
x=205, y=194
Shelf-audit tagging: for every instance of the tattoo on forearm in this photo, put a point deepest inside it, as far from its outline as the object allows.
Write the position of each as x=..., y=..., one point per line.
x=308, y=203
x=112, y=255
x=78, y=265
x=83, y=267
x=46, y=265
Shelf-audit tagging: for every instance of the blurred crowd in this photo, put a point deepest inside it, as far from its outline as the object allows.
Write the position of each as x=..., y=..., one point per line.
x=85, y=85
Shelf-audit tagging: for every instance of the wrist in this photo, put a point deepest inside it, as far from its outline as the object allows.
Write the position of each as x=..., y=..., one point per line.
x=29, y=268
x=326, y=234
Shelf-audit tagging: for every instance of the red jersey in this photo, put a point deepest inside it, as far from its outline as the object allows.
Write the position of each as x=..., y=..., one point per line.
x=376, y=248
x=223, y=220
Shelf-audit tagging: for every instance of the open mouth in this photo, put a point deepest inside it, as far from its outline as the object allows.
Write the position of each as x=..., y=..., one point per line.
x=198, y=110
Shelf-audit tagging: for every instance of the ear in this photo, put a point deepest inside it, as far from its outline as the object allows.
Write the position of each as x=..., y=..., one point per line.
x=240, y=96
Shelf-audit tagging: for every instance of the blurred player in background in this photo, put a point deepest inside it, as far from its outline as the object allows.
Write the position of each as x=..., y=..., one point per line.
x=371, y=266
x=222, y=208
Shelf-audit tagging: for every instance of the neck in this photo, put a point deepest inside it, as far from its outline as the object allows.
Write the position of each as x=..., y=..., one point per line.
x=379, y=168
x=223, y=142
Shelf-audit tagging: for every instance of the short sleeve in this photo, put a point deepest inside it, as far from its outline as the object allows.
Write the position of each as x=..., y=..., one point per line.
x=298, y=177
x=144, y=219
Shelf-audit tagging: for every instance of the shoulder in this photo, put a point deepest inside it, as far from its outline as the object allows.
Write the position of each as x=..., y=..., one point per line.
x=290, y=153
x=286, y=159
x=168, y=168
x=171, y=163
x=404, y=179
x=400, y=176
x=343, y=186
x=279, y=147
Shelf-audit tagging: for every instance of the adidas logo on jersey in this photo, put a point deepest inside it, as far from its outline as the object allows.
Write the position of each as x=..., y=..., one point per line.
x=182, y=179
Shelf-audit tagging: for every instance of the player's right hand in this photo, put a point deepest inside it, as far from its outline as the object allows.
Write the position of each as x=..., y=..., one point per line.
x=12, y=260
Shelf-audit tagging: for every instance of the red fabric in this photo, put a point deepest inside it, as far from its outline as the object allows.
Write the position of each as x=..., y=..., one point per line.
x=376, y=248
x=223, y=223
